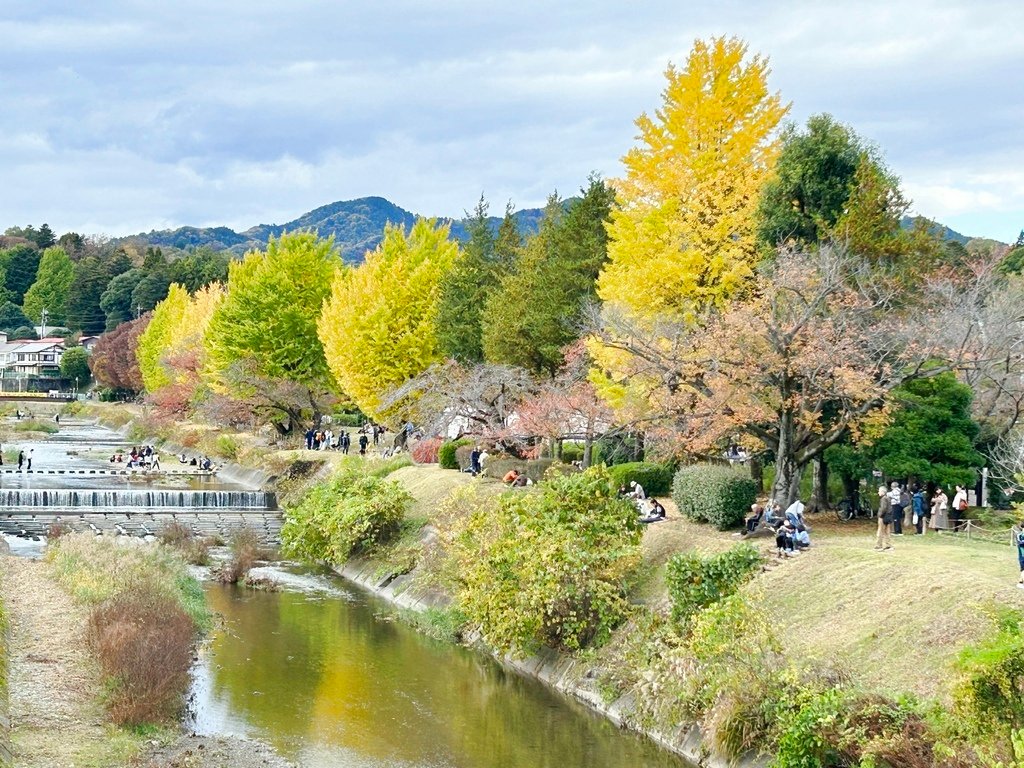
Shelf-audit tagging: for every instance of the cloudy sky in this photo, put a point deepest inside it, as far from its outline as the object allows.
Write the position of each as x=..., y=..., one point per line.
x=120, y=116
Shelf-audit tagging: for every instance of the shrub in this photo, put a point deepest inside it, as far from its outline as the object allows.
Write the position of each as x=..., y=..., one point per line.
x=349, y=514
x=695, y=582
x=425, y=451
x=988, y=693
x=714, y=494
x=245, y=551
x=499, y=467
x=227, y=446
x=143, y=641
x=572, y=452
x=446, y=453
x=348, y=419
x=655, y=478
x=94, y=569
x=56, y=529
x=195, y=549
x=546, y=568
x=462, y=454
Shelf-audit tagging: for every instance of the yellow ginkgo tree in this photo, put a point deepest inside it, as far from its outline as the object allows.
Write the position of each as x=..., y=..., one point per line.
x=684, y=232
x=379, y=326
x=682, y=239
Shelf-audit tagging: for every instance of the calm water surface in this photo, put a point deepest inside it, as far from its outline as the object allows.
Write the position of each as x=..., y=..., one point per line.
x=319, y=672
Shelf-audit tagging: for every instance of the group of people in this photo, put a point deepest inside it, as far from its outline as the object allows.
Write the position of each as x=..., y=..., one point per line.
x=792, y=534
x=202, y=462
x=650, y=510
x=326, y=440
x=516, y=479
x=896, y=502
x=145, y=457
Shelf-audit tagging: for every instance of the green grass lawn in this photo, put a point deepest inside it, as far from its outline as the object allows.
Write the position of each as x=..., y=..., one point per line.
x=893, y=620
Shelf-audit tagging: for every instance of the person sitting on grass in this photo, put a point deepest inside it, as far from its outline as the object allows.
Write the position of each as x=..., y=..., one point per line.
x=785, y=539
x=802, y=536
x=511, y=476
x=754, y=518
x=655, y=514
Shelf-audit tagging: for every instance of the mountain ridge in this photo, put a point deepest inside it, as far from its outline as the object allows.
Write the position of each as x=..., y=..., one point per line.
x=358, y=226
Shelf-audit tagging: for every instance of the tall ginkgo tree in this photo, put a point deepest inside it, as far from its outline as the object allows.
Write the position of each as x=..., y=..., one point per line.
x=682, y=239
x=379, y=327
x=261, y=344
x=684, y=232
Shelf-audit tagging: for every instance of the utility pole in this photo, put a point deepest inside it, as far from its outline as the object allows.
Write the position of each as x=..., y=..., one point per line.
x=138, y=311
x=42, y=323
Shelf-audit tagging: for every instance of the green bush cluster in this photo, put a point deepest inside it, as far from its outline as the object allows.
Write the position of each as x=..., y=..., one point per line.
x=710, y=493
x=572, y=452
x=655, y=478
x=227, y=446
x=348, y=419
x=446, y=458
x=546, y=568
x=349, y=514
x=988, y=694
x=695, y=582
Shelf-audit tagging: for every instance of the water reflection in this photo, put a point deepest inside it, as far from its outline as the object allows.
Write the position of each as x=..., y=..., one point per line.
x=329, y=684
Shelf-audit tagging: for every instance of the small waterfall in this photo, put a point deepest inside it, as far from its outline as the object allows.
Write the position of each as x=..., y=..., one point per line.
x=16, y=499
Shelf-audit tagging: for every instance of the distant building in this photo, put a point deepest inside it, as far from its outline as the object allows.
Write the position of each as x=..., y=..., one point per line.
x=30, y=358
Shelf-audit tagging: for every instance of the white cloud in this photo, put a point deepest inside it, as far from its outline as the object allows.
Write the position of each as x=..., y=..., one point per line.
x=125, y=116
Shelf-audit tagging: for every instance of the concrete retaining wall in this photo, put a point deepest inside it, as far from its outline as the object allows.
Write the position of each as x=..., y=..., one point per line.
x=564, y=673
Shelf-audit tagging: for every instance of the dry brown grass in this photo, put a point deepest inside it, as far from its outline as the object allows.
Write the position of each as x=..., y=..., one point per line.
x=143, y=641
x=245, y=551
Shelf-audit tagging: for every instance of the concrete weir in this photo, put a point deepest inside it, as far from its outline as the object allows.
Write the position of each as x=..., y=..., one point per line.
x=220, y=525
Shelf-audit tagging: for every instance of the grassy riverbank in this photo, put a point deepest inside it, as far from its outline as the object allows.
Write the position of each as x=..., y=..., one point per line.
x=835, y=628
x=889, y=624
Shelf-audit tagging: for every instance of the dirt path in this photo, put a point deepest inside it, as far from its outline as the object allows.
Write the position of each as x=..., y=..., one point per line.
x=55, y=718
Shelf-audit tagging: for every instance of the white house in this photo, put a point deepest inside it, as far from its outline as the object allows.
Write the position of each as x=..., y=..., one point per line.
x=28, y=358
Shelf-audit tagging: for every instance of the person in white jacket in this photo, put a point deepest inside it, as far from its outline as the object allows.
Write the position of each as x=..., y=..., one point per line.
x=956, y=511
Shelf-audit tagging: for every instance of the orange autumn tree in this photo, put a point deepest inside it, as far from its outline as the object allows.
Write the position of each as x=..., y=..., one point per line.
x=810, y=357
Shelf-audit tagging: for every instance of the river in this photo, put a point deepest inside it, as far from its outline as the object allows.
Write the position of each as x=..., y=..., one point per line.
x=322, y=672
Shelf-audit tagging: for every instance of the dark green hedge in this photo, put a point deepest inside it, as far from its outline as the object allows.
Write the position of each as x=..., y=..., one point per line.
x=655, y=478
x=446, y=458
x=711, y=493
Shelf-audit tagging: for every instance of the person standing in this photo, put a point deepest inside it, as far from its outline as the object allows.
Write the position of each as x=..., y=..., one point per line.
x=346, y=442
x=940, y=501
x=895, y=508
x=21, y=460
x=922, y=512
x=956, y=512
x=363, y=441
x=1018, y=539
x=882, y=540
x=31, y=451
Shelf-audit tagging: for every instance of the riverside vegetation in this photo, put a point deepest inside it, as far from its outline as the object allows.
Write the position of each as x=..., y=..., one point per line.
x=697, y=637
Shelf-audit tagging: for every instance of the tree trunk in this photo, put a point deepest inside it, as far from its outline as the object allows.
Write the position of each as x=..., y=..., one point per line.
x=819, y=490
x=588, y=451
x=757, y=473
x=787, y=473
